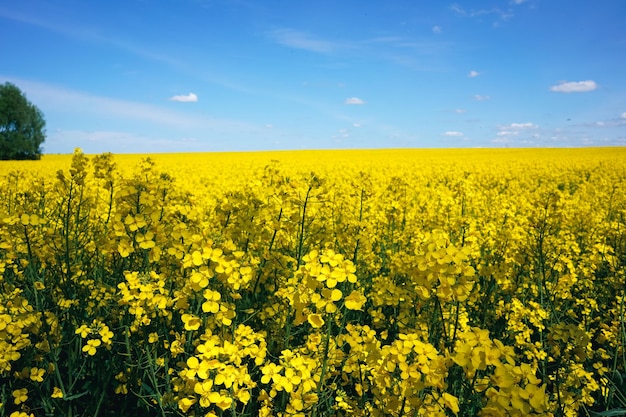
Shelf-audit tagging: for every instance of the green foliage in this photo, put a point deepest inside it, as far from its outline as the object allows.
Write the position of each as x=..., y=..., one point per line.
x=22, y=125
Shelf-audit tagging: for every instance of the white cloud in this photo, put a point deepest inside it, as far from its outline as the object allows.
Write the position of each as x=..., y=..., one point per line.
x=189, y=98
x=519, y=1
x=613, y=122
x=354, y=100
x=473, y=74
x=356, y=125
x=574, y=86
x=84, y=106
x=94, y=142
x=502, y=14
x=301, y=40
x=452, y=133
x=517, y=129
x=527, y=125
x=460, y=111
x=456, y=8
x=478, y=97
x=436, y=29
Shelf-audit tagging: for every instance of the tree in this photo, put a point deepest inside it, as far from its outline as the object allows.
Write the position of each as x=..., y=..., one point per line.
x=22, y=125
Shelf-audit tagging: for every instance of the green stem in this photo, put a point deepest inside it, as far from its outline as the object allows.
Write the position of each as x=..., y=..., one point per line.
x=302, y=224
x=324, y=363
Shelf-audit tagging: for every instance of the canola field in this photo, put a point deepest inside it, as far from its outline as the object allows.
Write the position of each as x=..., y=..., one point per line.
x=317, y=283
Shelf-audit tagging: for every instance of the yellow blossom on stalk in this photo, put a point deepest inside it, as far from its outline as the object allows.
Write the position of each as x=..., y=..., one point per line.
x=199, y=280
x=83, y=331
x=20, y=396
x=106, y=334
x=185, y=403
x=191, y=322
x=535, y=396
x=57, y=393
x=315, y=320
x=335, y=295
x=211, y=305
x=91, y=346
x=289, y=380
x=195, y=367
x=271, y=372
x=451, y=402
x=36, y=374
x=355, y=300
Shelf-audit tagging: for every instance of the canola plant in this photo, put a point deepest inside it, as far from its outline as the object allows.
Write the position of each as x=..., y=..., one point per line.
x=318, y=283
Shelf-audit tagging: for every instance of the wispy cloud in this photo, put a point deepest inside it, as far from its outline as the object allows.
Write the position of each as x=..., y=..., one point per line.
x=611, y=122
x=88, y=105
x=574, y=86
x=419, y=46
x=452, y=133
x=515, y=129
x=526, y=125
x=479, y=97
x=473, y=74
x=419, y=54
x=507, y=133
x=75, y=31
x=457, y=9
x=354, y=100
x=460, y=111
x=501, y=14
x=302, y=40
x=437, y=29
x=94, y=142
x=189, y=98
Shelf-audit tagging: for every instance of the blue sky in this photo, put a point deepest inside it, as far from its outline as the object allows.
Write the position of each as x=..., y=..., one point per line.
x=213, y=75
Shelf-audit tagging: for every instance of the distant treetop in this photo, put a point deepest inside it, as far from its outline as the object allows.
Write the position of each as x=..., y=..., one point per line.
x=22, y=125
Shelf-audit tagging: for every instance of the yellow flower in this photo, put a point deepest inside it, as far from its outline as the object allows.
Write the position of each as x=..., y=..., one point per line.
x=355, y=301
x=57, y=393
x=121, y=389
x=106, y=334
x=536, y=396
x=91, y=346
x=336, y=295
x=290, y=379
x=271, y=372
x=451, y=402
x=315, y=320
x=199, y=280
x=185, y=403
x=83, y=331
x=211, y=305
x=37, y=374
x=191, y=322
x=20, y=396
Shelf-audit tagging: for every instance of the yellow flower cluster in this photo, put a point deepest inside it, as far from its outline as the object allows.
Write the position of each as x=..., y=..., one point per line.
x=352, y=283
